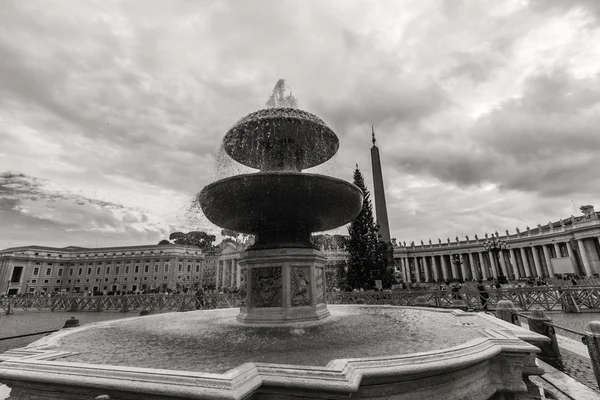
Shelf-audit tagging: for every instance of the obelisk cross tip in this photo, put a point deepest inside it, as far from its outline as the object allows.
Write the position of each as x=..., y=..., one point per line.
x=373, y=133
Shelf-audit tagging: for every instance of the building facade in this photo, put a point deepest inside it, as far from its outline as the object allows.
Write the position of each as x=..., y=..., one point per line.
x=569, y=246
x=38, y=269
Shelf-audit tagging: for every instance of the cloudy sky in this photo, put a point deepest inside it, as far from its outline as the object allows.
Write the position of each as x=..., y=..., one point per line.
x=487, y=114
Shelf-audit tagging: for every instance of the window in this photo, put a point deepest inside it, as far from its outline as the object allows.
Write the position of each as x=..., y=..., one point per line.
x=87, y=281
x=146, y=269
x=137, y=269
x=48, y=271
x=46, y=281
x=155, y=269
x=16, y=275
x=79, y=271
x=49, y=263
x=60, y=272
x=165, y=278
x=166, y=268
x=180, y=267
x=33, y=281
x=107, y=270
x=117, y=269
x=58, y=281
x=197, y=268
x=36, y=271
x=156, y=278
x=36, y=254
x=135, y=278
x=98, y=271
x=89, y=271
x=71, y=272
x=145, y=278
x=61, y=264
x=125, y=279
x=127, y=269
x=189, y=268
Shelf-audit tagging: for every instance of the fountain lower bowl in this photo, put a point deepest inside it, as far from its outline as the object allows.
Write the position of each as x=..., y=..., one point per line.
x=281, y=208
x=360, y=351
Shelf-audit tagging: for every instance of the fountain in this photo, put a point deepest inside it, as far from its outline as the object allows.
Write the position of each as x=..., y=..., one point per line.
x=284, y=342
x=282, y=273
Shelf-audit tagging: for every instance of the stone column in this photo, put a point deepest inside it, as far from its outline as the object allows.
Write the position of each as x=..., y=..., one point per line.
x=557, y=250
x=454, y=267
x=536, y=261
x=528, y=273
x=406, y=264
x=233, y=274
x=503, y=263
x=463, y=269
x=584, y=257
x=444, y=267
x=515, y=263
x=426, y=268
x=484, y=271
x=434, y=265
x=547, y=259
x=473, y=266
x=238, y=274
x=493, y=264
x=217, y=272
x=416, y=267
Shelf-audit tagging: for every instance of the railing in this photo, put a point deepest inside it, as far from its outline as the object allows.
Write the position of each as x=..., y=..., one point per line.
x=570, y=299
x=151, y=302
x=540, y=323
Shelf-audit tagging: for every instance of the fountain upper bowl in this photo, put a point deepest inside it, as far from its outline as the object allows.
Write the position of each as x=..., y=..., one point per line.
x=276, y=139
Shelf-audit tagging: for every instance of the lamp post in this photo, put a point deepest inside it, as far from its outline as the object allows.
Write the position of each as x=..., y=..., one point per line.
x=494, y=246
x=457, y=261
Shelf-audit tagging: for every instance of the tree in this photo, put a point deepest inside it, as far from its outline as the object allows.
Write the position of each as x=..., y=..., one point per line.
x=366, y=260
x=163, y=242
x=198, y=239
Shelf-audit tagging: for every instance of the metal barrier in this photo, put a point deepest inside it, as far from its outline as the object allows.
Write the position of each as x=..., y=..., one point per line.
x=571, y=299
x=540, y=323
x=126, y=303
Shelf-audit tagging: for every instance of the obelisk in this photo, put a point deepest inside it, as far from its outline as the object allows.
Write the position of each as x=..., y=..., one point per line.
x=380, y=204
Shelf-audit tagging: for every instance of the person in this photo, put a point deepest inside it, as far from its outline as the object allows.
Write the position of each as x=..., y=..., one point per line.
x=199, y=298
x=455, y=291
x=483, y=295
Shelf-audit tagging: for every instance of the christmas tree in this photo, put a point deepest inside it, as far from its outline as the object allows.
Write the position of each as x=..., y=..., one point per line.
x=366, y=261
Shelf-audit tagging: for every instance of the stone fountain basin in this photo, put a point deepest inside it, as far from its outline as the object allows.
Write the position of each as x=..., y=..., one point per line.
x=272, y=201
x=363, y=351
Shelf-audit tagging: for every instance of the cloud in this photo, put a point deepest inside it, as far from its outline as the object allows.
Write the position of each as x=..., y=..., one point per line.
x=118, y=108
x=32, y=213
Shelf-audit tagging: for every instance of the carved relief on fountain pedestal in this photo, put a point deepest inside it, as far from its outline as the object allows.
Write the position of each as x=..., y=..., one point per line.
x=320, y=285
x=266, y=287
x=300, y=286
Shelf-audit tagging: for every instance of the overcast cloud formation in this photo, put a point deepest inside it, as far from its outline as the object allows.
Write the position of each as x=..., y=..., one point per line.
x=111, y=112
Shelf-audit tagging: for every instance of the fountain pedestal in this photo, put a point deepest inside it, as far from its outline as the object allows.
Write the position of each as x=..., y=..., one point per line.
x=282, y=286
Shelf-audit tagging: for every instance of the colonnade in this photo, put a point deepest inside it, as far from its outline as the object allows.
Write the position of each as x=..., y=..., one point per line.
x=227, y=274
x=515, y=262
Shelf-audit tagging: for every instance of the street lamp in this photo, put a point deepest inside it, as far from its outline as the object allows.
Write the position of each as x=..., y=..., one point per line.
x=457, y=261
x=494, y=246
